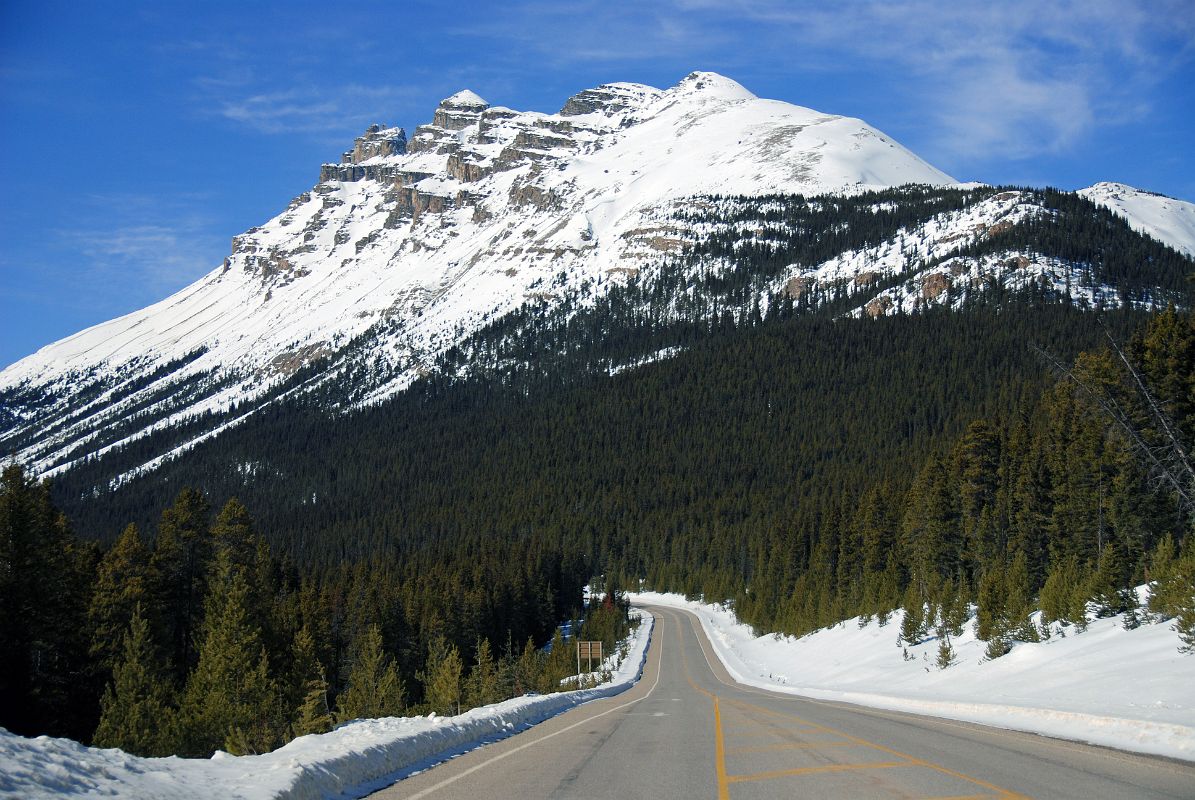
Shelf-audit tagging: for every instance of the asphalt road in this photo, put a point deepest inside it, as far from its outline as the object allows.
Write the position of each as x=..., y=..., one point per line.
x=687, y=730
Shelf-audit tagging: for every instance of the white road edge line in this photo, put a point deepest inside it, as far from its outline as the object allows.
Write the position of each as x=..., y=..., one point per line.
x=437, y=787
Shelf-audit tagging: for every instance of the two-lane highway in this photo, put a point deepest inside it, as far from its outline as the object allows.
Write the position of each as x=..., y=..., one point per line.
x=687, y=730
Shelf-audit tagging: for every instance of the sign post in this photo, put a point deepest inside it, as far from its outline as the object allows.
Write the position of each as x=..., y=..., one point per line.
x=590, y=651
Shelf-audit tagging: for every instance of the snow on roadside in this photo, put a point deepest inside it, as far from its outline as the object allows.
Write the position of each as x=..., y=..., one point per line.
x=355, y=758
x=1128, y=689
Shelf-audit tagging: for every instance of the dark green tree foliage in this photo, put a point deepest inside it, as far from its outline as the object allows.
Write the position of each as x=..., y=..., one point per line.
x=374, y=687
x=181, y=561
x=230, y=700
x=137, y=714
x=124, y=582
x=441, y=677
x=483, y=685
x=1063, y=596
x=807, y=467
x=46, y=576
x=308, y=688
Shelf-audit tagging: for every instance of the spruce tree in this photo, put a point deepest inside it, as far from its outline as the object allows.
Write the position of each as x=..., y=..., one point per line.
x=181, y=562
x=230, y=699
x=123, y=583
x=527, y=669
x=913, y=626
x=136, y=714
x=308, y=688
x=313, y=715
x=374, y=687
x=441, y=677
x=1063, y=598
x=482, y=686
x=45, y=583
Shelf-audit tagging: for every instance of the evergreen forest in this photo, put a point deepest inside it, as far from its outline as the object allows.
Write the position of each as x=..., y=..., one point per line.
x=1012, y=452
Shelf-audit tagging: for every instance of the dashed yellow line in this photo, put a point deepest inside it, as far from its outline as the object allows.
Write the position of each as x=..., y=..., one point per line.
x=785, y=773
x=767, y=748
x=720, y=754
x=724, y=780
x=1002, y=793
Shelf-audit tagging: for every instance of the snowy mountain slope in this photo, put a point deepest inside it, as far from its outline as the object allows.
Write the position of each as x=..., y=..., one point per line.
x=410, y=248
x=1164, y=218
x=419, y=242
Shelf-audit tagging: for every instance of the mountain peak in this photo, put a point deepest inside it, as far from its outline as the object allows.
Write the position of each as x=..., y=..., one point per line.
x=711, y=84
x=1167, y=219
x=465, y=98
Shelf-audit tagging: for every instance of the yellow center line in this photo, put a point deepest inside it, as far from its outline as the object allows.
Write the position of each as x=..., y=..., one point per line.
x=767, y=748
x=1004, y=793
x=719, y=739
x=720, y=751
x=776, y=735
x=785, y=773
x=1000, y=792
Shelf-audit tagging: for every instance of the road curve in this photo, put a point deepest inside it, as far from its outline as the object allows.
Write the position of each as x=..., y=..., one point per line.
x=688, y=730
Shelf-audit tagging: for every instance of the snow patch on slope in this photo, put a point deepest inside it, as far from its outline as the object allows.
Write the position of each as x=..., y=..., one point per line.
x=1170, y=221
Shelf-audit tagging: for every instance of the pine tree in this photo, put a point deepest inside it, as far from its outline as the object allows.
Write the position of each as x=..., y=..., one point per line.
x=123, y=583
x=441, y=677
x=1165, y=593
x=913, y=627
x=1018, y=600
x=527, y=669
x=992, y=607
x=946, y=655
x=1108, y=580
x=233, y=535
x=1178, y=586
x=181, y=561
x=374, y=687
x=481, y=687
x=230, y=699
x=308, y=688
x=45, y=583
x=1062, y=597
x=313, y=715
x=136, y=714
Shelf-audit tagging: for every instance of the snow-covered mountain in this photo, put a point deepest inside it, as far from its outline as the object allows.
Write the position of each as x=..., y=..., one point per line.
x=411, y=244
x=1164, y=218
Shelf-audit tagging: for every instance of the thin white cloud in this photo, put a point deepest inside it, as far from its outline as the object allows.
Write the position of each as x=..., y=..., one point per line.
x=314, y=110
x=1007, y=80
x=131, y=250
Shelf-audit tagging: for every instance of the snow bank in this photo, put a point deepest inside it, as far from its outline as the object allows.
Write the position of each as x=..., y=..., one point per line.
x=352, y=760
x=1130, y=690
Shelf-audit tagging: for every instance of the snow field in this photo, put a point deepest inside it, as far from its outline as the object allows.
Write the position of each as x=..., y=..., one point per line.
x=1127, y=689
x=351, y=761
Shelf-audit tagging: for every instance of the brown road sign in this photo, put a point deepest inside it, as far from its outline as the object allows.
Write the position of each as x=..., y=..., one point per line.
x=592, y=650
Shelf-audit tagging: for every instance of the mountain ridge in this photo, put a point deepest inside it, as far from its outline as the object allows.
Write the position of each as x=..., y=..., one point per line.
x=409, y=246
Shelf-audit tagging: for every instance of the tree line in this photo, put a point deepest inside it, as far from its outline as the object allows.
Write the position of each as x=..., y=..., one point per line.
x=199, y=638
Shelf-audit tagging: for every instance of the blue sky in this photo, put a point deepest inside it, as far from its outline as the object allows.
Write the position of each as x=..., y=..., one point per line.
x=137, y=138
